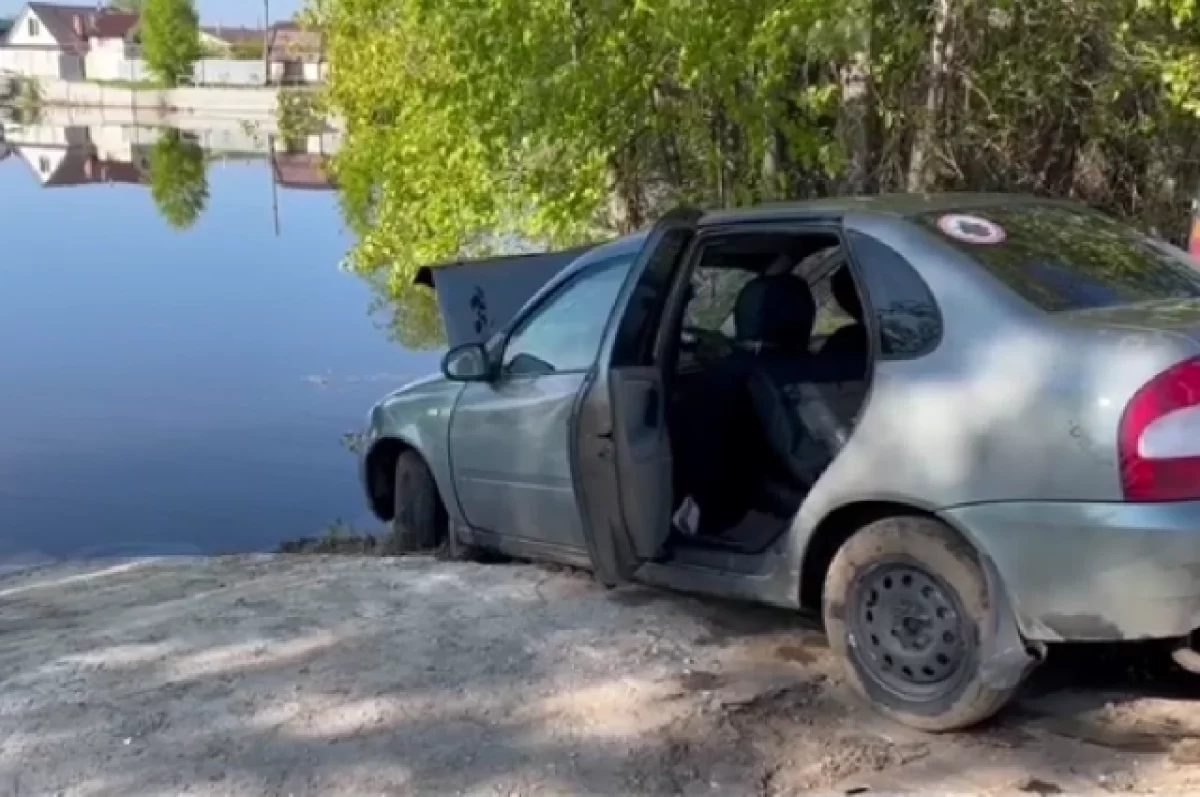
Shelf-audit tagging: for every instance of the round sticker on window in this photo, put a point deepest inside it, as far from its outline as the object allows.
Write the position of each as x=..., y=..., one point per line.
x=971, y=229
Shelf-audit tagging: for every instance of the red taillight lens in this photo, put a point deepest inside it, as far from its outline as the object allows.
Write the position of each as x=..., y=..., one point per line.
x=1159, y=440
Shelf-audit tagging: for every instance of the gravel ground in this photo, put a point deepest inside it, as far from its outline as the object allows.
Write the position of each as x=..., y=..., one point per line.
x=313, y=675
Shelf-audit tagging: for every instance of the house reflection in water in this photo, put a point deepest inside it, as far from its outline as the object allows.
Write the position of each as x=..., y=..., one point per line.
x=72, y=156
x=75, y=167
x=76, y=150
x=303, y=171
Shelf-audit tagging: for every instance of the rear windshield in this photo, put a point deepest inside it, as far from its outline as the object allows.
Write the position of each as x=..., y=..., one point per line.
x=1064, y=258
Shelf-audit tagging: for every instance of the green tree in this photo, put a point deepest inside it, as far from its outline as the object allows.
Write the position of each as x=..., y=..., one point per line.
x=170, y=34
x=564, y=120
x=178, y=179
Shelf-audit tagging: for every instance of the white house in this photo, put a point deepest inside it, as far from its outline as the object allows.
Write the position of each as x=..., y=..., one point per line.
x=51, y=40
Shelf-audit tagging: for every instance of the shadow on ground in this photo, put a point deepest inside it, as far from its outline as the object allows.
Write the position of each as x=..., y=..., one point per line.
x=313, y=675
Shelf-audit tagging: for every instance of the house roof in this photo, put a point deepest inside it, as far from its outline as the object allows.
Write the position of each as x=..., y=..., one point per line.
x=66, y=23
x=112, y=24
x=289, y=41
x=235, y=35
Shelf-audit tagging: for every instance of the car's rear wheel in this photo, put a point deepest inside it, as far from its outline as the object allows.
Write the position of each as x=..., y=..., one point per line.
x=907, y=609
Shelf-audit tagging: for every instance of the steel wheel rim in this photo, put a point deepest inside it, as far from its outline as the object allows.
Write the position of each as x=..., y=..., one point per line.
x=909, y=631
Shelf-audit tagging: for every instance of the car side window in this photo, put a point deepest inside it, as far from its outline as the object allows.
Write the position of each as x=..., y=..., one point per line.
x=908, y=318
x=565, y=332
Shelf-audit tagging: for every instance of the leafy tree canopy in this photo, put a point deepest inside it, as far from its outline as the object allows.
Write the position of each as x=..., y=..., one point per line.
x=170, y=34
x=557, y=121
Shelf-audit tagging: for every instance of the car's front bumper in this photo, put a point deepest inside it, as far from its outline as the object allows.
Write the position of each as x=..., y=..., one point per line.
x=1093, y=571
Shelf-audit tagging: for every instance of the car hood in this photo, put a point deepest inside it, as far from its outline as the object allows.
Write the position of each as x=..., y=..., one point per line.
x=417, y=384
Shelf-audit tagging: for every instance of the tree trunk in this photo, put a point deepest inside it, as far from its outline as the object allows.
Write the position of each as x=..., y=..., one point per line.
x=857, y=118
x=920, y=164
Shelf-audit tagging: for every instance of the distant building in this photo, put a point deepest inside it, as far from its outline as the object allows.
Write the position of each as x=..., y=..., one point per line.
x=77, y=42
x=297, y=55
x=53, y=40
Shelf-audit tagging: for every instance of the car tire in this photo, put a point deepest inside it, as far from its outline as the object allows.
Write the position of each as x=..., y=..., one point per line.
x=907, y=610
x=418, y=519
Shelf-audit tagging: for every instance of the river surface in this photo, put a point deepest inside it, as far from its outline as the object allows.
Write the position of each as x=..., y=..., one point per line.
x=178, y=390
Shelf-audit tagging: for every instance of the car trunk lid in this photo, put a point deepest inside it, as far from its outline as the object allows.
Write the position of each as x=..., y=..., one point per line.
x=1170, y=318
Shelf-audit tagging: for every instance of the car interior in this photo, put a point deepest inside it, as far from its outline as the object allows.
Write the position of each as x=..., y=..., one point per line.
x=767, y=369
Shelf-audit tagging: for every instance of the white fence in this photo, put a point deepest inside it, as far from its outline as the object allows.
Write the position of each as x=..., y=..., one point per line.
x=41, y=62
x=104, y=64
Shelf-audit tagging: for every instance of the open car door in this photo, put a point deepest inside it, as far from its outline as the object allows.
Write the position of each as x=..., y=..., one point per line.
x=622, y=452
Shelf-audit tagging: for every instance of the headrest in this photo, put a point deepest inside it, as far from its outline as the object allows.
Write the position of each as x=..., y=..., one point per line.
x=775, y=310
x=846, y=294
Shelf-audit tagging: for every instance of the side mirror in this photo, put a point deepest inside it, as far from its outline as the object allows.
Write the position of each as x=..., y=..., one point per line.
x=467, y=363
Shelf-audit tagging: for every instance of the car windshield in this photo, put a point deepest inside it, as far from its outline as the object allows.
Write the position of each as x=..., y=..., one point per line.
x=1066, y=258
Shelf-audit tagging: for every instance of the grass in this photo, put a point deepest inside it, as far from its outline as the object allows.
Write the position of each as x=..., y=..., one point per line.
x=340, y=538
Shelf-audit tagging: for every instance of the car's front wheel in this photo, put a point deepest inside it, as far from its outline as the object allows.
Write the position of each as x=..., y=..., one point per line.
x=418, y=520
x=907, y=609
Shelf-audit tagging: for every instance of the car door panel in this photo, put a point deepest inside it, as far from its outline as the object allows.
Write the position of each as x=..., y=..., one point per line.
x=643, y=454
x=510, y=454
x=622, y=453
x=511, y=437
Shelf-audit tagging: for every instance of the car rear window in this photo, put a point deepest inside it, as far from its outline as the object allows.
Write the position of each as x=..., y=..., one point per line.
x=1063, y=258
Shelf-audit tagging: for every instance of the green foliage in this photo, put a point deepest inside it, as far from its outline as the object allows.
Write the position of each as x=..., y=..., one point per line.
x=300, y=114
x=246, y=51
x=557, y=121
x=6, y=24
x=170, y=35
x=178, y=179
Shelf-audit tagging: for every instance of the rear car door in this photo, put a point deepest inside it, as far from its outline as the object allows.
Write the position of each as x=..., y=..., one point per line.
x=622, y=452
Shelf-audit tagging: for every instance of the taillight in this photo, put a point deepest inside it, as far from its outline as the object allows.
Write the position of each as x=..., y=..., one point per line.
x=1159, y=439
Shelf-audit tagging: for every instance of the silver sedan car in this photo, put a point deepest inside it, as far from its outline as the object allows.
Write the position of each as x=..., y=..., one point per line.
x=960, y=428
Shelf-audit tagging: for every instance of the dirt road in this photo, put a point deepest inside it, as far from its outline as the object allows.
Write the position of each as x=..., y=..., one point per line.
x=311, y=675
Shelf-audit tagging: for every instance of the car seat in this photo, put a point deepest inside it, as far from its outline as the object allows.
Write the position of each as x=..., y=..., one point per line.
x=774, y=318
x=847, y=347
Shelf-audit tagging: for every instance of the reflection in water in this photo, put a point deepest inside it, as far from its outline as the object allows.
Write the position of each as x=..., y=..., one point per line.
x=68, y=147
x=170, y=391
x=178, y=179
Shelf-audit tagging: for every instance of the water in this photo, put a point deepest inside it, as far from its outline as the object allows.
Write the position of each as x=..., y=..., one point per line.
x=169, y=390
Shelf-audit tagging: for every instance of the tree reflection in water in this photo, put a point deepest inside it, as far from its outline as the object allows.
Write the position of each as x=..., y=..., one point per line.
x=178, y=179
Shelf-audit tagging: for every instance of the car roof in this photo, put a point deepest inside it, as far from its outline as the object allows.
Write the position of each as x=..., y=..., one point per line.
x=625, y=245
x=898, y=205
